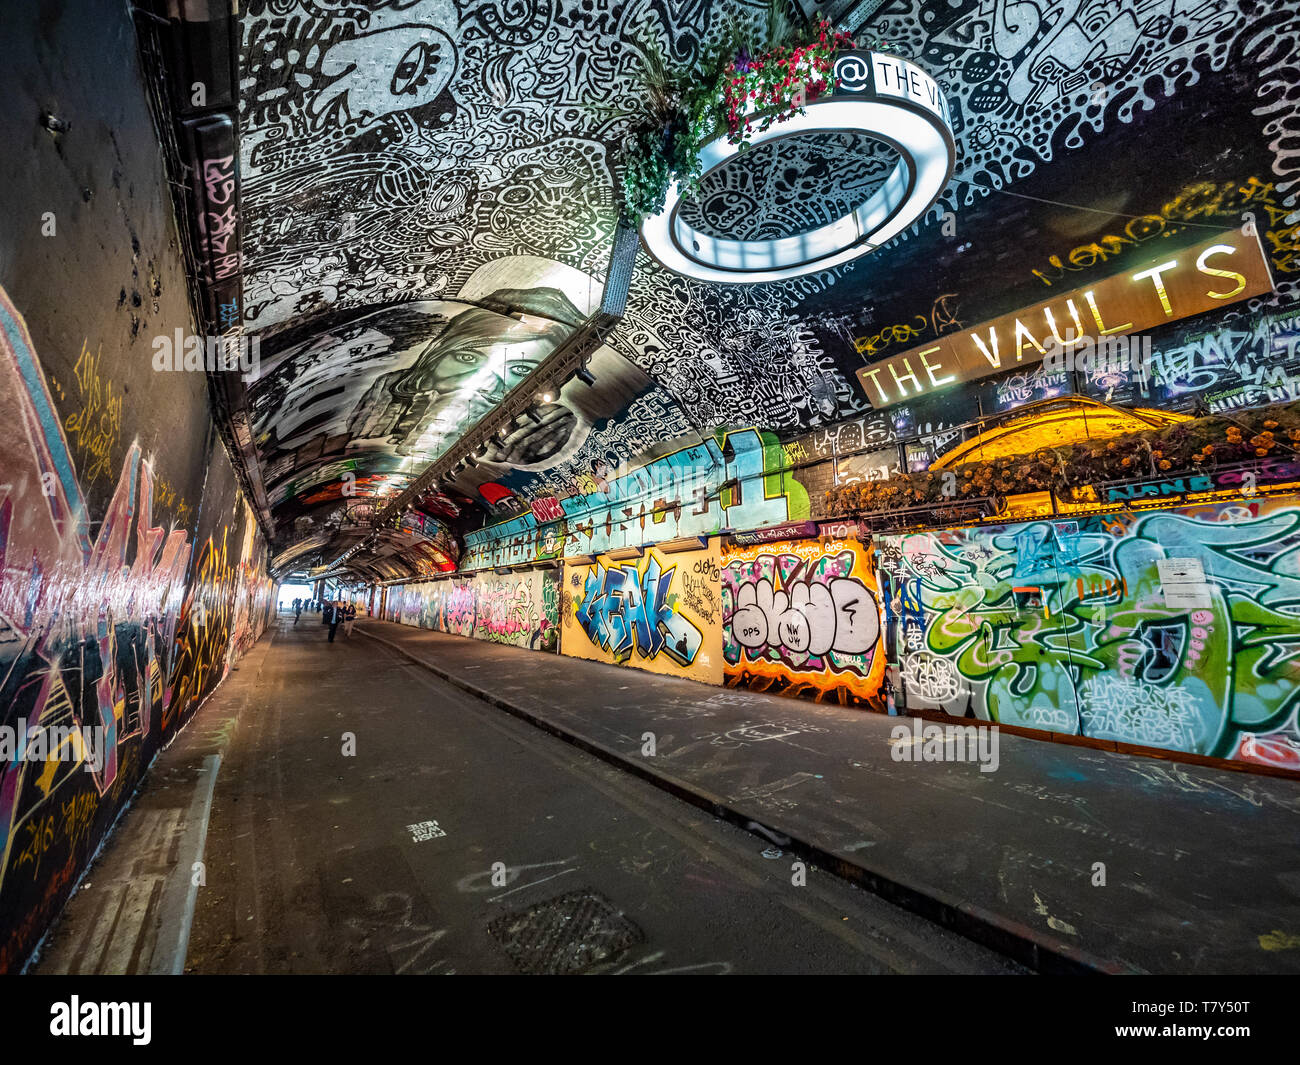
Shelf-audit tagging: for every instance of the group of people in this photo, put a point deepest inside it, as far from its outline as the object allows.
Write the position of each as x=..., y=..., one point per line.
x=334, y=612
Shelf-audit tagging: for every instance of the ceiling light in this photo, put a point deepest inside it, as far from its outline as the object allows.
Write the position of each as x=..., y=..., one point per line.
x=885, y=96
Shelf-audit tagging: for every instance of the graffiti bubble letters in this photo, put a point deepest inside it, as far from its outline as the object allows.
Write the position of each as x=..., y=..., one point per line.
x=807, y=619
x=620, y=613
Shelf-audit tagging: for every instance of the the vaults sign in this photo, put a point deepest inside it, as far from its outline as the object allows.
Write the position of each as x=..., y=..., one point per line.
x=1219, y=271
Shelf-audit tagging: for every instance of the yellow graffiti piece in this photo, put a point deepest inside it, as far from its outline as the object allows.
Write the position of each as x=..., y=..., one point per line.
x=96, y=429
x=1279, y=940
x=1201, y=199
x=168, y=498
x=79, y=815
x=900, y=333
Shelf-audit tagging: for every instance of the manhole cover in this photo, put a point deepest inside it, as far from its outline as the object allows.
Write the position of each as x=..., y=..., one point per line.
x=566, y=934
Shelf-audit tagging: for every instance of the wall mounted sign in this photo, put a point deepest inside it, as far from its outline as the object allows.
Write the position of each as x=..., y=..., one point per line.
x=1219, y=271
x=1243, y=479
x=882, y=95
x=794, y=530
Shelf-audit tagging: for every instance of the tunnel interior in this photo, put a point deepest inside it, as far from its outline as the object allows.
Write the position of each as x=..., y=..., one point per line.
x=350, y=298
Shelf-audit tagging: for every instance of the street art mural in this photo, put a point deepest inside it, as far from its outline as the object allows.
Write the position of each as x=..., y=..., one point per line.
x=520, y=609
x=802, y=618
x=660, y=612
x=1176, y=629
x=739, y=479
x=115, y=628
x=1059, y=101
x=429, y=193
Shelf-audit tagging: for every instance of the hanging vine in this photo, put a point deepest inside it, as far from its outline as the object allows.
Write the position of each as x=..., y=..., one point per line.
x=738, y=89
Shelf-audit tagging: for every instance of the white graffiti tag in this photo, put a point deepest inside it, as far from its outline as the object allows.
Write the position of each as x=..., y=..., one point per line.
x=930, y=678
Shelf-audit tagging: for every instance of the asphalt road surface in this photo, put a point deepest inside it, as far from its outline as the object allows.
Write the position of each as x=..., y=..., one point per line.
x=369, y=817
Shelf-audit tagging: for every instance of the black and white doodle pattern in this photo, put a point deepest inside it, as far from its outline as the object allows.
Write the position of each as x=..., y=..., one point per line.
x=789, y=186
x=427, y=152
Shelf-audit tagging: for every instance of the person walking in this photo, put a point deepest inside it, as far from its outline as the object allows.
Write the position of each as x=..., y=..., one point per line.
x=297, y=610
x=333, y=614
x=349, y=618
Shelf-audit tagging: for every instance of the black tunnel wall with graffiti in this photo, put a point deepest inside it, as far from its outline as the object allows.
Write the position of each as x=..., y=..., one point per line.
x=134, y=575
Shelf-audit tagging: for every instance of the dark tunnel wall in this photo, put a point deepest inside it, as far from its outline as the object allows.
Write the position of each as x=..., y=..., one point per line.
x=133, y=572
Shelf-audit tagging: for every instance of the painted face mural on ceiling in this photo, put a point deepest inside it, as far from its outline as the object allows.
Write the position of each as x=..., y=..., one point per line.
x=417, y=174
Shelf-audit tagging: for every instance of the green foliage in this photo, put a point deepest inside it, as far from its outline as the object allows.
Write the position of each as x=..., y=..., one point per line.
x=679, y=112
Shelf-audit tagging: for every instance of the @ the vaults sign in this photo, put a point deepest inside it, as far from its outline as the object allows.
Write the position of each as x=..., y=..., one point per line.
x=1219, y=271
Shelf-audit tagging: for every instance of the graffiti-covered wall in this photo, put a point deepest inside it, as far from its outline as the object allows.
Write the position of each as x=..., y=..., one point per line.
x=660, y=612
x=118, y=621
x=741, y=480
x=520, y=609
x=1175, y=629
x=132, y=574
x=803, y=618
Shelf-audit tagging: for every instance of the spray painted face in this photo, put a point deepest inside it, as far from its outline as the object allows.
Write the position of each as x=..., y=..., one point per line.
x=400, y=68
x=487, y=372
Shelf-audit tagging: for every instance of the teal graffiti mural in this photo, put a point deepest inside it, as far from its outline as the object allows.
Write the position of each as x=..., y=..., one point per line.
x=738, y=482
x=623, y=611
x=1177, y=629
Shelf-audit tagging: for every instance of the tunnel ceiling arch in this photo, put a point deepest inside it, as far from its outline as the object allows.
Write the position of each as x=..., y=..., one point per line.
x=429, y=194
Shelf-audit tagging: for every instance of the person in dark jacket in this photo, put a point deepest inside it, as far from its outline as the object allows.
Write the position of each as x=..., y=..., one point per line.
x=333, y=615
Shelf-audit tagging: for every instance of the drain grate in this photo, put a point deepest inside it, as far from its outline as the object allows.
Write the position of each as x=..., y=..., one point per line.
x=566, y=934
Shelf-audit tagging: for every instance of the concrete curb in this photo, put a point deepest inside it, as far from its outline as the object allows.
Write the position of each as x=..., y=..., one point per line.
x=1043, y=953
x=176, y=907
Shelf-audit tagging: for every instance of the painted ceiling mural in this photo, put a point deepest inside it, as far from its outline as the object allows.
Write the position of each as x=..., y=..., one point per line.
x=429, y=194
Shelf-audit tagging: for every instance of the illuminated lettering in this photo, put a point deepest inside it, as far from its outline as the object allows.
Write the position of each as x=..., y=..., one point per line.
x=909, y=376
x=1159, y=282
x=929, y=369
x=1096, y=317
x=1220, y=249
x=871, y=376
x=1078, y=325
x=1020, y=344
x=995, y=360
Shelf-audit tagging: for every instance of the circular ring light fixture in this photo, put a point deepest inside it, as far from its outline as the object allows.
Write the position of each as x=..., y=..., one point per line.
x=891, y=99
